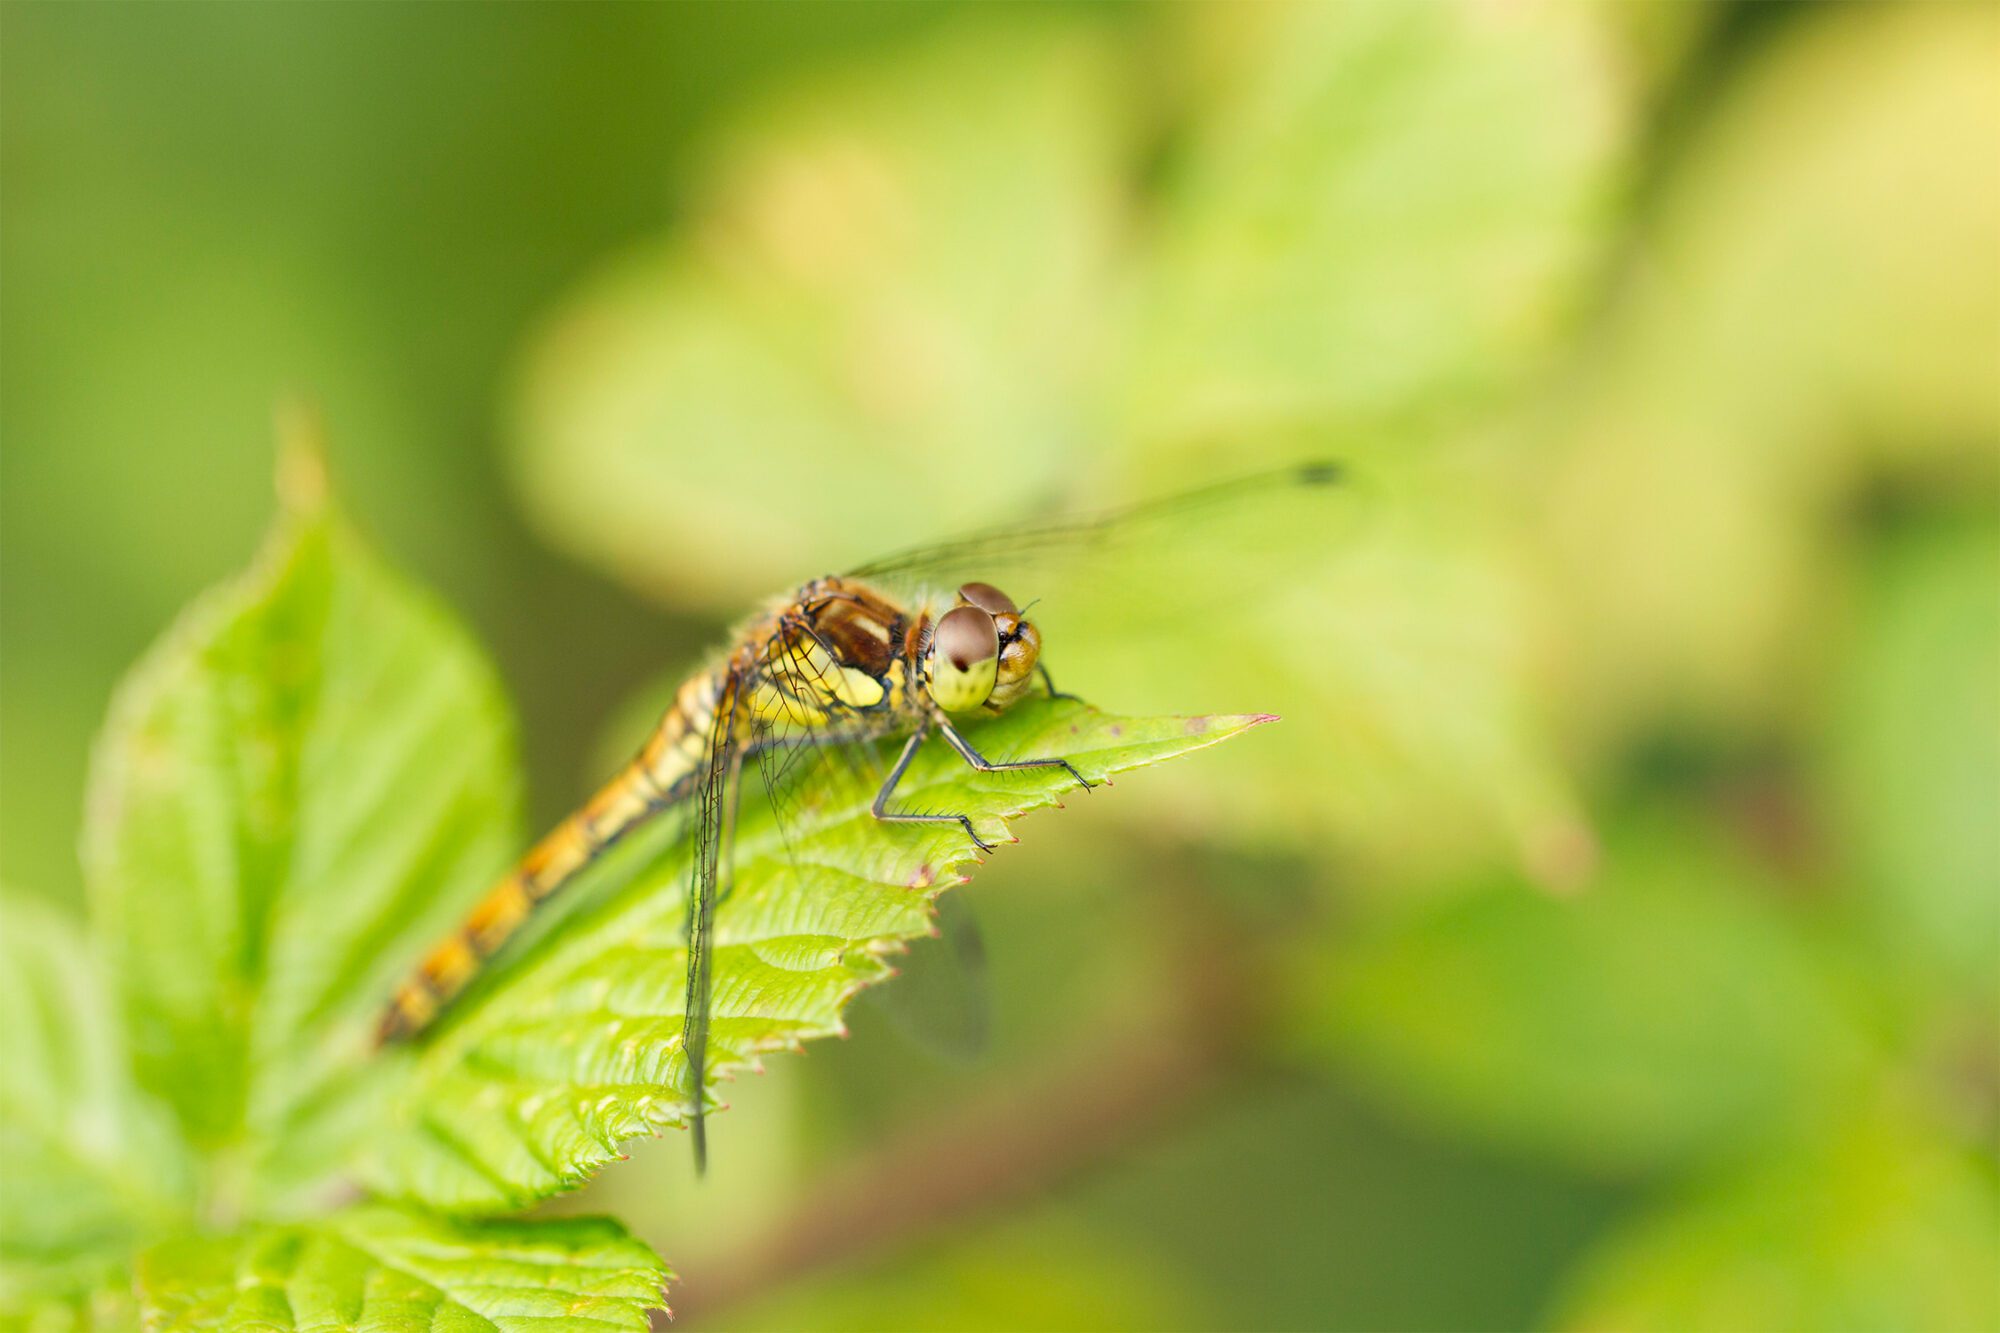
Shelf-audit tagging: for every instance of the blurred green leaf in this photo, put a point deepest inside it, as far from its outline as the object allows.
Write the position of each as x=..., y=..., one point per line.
x=83, y=1297
x=1830, y=204
x=1402, y=648
x=1914, y=752
x=578, y=1048
x=1668, y=1009
x=883, y=308
x=1661, y=42
x=310, y=773
x=1875, y=1226
x=379, y=1268
x=88, y=1163
x=1382, y=210
x=1816, y=304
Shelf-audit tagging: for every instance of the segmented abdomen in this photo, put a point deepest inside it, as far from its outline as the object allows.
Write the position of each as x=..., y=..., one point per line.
x=661, y=776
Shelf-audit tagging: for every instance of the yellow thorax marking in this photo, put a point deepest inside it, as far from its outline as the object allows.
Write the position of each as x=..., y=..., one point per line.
x=805, y=681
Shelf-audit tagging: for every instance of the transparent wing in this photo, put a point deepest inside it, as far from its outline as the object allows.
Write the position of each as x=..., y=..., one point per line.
x=799, y=759
x=1044, y=543
x=1135, y=601
x=713, y=815
x=941, y=998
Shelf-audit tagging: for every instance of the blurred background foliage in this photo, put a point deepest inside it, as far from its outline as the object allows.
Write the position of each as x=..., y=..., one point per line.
x=1609, y=938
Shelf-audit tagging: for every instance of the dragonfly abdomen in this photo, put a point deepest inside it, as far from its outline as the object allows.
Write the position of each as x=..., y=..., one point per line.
x=662, y=775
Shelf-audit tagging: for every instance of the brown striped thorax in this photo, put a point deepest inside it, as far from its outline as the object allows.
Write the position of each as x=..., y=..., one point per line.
x=833, y=649
x=841, y=648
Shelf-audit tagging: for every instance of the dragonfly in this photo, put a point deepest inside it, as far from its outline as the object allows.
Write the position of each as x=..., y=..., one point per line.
x=911, y=646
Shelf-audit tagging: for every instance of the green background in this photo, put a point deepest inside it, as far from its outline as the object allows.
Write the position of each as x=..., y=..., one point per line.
x=1620, y=910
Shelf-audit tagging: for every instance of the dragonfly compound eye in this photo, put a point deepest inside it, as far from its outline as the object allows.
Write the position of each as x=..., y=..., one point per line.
x=1021, y=649
x=964, y=659
x=987, y=598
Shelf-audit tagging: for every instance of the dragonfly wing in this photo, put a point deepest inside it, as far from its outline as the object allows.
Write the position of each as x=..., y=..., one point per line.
x=713, y=815
x=1120, y=597
x=941, y=998
x=1066, y=540
x=814, y=743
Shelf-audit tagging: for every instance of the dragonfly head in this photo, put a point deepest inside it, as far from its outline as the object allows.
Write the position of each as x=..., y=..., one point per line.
x=982, y=652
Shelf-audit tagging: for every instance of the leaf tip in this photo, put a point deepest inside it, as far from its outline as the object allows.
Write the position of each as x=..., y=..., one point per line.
x=300, y=477
x=1199, y=726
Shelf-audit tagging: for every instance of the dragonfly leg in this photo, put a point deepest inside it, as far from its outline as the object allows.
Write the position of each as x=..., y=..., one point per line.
x=881, y=808
x=985, y=765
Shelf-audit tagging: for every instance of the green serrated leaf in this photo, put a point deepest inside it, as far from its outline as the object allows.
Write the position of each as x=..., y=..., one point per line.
x=87, y=1161
x=389, y=1270
x=312, y=769
x=537, y=1085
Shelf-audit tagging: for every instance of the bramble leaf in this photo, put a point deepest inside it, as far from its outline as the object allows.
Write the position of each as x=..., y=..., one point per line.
x=88, y=1163
x=302, y=784
x=313, y=768
x=388, y=1270
x=579, y=1047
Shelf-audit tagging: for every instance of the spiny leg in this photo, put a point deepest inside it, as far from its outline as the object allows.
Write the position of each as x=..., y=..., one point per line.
x=985, y=765
x=881, y=808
